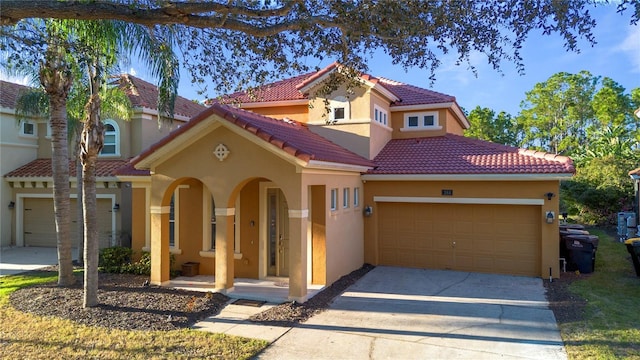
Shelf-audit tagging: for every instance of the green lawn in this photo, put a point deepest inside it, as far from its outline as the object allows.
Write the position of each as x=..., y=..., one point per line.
x=611, y=326
x=26, y=336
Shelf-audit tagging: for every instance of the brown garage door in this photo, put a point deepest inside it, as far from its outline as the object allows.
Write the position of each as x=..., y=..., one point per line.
x=502, y=239
x=40, y=227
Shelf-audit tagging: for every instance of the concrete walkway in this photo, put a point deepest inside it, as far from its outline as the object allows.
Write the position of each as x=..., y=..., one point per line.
x=403, y=313
x=15, y=260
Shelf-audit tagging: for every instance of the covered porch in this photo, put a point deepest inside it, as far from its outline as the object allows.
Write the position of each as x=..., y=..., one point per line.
x=226, y=192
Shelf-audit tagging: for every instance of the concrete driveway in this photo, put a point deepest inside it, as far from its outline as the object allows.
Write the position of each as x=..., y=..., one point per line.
x=399, y=313
x=15, y=260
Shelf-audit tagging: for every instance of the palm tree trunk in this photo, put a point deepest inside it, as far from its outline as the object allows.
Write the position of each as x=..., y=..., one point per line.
x=92, y=141
x=79, y=203
x=80, y=210
x=56, y=79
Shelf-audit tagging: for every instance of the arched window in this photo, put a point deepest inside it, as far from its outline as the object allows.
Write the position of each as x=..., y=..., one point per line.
x=111, y=139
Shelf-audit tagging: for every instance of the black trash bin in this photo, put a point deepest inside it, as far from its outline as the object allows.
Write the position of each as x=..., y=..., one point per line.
x=571, y=226
x=582, y=252
x=633, y=246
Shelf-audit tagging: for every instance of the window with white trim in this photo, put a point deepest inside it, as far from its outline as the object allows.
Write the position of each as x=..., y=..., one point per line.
x=421, y=121
x=380, y=115
x=345, y=198
x=339, y=109
x=111, y=139
x=28, y=128
x=334, y=199
x=356, y=197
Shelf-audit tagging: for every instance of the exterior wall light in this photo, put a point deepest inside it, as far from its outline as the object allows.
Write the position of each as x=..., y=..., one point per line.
x=12, y=205
x=368, y=211
x=116, y=207
x=550, y=217
x=549, y=195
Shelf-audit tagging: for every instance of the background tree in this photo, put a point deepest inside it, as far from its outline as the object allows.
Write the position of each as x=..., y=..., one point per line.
x=486, y=125
x=556, y=113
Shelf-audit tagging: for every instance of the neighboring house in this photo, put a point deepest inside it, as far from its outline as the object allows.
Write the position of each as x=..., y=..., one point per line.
x=385, y=177
x=25, y=153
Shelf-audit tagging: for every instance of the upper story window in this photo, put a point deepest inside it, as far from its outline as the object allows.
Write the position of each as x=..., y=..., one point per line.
x=339, y=109
x=28, y=128
x=380, y=115
x=111, y=139
x=421, y=121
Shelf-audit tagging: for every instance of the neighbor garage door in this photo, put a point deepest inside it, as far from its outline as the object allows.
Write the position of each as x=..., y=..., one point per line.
x=501, y=239
x=40, y=227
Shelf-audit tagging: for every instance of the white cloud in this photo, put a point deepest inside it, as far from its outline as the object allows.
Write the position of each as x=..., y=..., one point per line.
x=631, y=47
x=132, y=71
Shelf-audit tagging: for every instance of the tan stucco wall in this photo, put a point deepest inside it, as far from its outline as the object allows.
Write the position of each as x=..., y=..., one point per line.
x=359, y=104
x=344, y=227
x=398, y=123
x=138, y=221
x=354, y=137
x=15, y=151
x=470, y=189
x=296, y=112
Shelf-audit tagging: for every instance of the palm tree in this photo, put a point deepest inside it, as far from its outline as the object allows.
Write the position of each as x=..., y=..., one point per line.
x=102, y=44
x=96, y=45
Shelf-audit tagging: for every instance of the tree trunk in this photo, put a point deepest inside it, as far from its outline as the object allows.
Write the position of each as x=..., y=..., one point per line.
x=80, y=210
x=56, y=79
x=79, y=203
x=91, y=144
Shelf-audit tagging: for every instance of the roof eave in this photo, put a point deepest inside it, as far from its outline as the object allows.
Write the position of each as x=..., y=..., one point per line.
x=466, y=177
x=263, y=104
x=328, y=165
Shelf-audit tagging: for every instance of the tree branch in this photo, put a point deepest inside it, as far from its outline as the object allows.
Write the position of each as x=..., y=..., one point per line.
x=199, y=15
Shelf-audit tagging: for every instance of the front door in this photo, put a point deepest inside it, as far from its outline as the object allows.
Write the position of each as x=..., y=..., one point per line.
x=278, y=234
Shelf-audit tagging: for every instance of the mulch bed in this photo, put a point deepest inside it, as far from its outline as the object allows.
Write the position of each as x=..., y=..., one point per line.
x=566, y=306
x=124, y=303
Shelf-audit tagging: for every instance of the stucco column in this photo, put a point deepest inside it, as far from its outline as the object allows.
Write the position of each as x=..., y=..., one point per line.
x=224, y=249
x=298, y=240
x=159, y=244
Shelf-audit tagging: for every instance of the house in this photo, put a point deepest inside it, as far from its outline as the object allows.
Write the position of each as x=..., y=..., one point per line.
x=281, y=187
x=25, y=153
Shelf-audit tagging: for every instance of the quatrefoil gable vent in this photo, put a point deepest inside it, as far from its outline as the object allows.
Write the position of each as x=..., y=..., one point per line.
x=221, y=152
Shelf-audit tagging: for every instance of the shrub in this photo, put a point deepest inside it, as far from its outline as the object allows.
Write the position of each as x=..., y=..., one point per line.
x=118, y=260
x=599, y=190
x=113, y=259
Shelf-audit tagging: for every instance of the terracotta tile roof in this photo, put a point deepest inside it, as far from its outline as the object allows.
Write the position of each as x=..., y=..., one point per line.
x=291, y=136
x=145, y=94
x=288, y=89
x=413, y=95
x=278, y=91
x=454, y=154
x=42, y=168
x=9, y=94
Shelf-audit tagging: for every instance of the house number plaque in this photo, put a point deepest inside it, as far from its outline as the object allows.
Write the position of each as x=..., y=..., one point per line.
x=447, y=192
x=221, y=152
